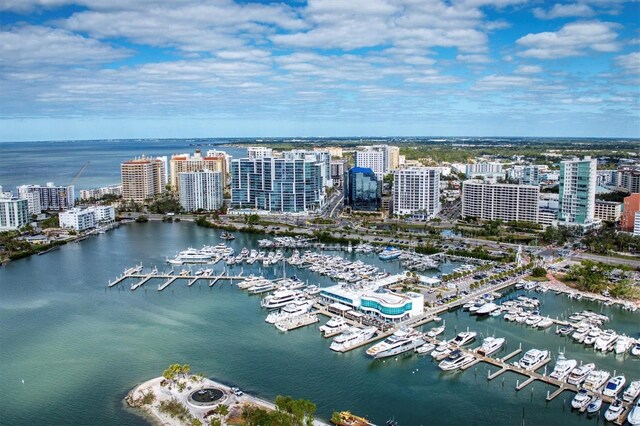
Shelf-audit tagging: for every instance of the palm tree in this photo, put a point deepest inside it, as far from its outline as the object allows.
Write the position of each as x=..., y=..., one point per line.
x=185, y=369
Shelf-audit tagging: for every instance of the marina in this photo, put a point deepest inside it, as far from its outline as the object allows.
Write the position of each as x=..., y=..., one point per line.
x=198, y=317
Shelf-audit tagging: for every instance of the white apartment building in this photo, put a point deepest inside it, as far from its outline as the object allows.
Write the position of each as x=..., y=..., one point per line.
x=51, y=197
x=382, y=159
x=86, y=194
x=201, y=190
x=636, y=224
x=81, y=219
x=483, y=168
x=14, y=213
x=416, y=192
x=500, y=201
x=254, y=152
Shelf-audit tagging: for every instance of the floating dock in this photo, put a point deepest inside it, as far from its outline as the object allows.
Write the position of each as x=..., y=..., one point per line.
x=170, y=277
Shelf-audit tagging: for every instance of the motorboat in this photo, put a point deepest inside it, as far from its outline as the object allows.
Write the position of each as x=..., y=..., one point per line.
x=487, y=309
x=614, y=386
x=468, y=305
x=435, y=331
x=490, y=345
x=595, y=405
x=596, y=380
x=635, y=350
x=565, y=330
x=456, y=360
x=497, y=312
x=580, y=374
x=634, y=415
x=582, y=399
x=334, y=325
x=563, y=367
x=280, y=298
x=622, y=344
x=613, y=412
x=606, y=340
x=580, y=333
x=227, y=236
x=426, y=348
x=464, y=338
x=632, y=392
x=522, y=317
x=351, y=337
x=592, y=336
x=479, y=304
x=532, y=358
x=441, y=351
x=403, y=340
x=545, y=322
x=389, y=254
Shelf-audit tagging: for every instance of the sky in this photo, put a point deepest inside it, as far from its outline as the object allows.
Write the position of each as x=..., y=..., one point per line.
x=106, y=69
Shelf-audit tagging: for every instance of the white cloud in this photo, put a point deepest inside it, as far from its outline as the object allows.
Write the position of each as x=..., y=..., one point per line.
x=560, y=10
x=473, y=59
x=502, y=82
x=630, y=63
x=37, y=46
x=573, y=39
x=528, y=69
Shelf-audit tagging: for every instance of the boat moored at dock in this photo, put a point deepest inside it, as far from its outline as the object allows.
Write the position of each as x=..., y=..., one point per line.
x=403, y=340
x=352, y=337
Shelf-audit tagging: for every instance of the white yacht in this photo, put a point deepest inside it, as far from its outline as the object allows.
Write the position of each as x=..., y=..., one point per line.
x=390, y=254
x=606, y=340
x=613, y=412
x=490, y=345
x=581, y=399
x=592, y=336
x=486, y=309
x=580, y=374
x=635, y=350
x=623, y=344
x=334, y=325
x=464, y=338
x=401, y=341
x=441, y=351
x=426, y=348
x=614, y=386
x=456, y=360
x=563, y=367
x=293, y=309
x=533, y=320
x=351, y=337
x=263, y=287
x=634, y=415
x=280, y=298
x=632, y=392
x=596, y=380
x=479, y=304
x=532, y=358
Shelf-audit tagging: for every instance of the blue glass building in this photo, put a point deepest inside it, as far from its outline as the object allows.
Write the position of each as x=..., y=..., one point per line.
x=363, y=190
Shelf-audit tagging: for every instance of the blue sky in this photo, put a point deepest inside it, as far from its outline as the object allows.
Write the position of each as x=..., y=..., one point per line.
x=153, y=68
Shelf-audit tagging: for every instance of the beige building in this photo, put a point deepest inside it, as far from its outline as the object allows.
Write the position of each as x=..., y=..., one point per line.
x=500, y=201
x=180, y=163
x=142, y=178
x=608, y=210
x=334, y=151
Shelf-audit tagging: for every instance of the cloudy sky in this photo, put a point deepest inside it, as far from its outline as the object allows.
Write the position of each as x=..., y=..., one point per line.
x=214, y=68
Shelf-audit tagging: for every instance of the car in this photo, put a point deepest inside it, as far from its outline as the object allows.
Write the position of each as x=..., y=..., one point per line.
x=238, y=392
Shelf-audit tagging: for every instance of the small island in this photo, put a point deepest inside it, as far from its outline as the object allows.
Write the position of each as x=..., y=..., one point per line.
x=179, y=398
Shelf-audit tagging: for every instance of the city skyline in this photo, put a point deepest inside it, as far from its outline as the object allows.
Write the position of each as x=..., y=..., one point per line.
x=87, y=69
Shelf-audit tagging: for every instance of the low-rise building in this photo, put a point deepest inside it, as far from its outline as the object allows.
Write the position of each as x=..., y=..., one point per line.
x=81, y=219
x=608, y=210
x=86, y=194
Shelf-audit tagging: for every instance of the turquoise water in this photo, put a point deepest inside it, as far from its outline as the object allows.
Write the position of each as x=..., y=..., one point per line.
x=79, y=347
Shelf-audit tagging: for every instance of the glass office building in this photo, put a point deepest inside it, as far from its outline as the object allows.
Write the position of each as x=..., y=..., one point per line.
x=363, y=190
